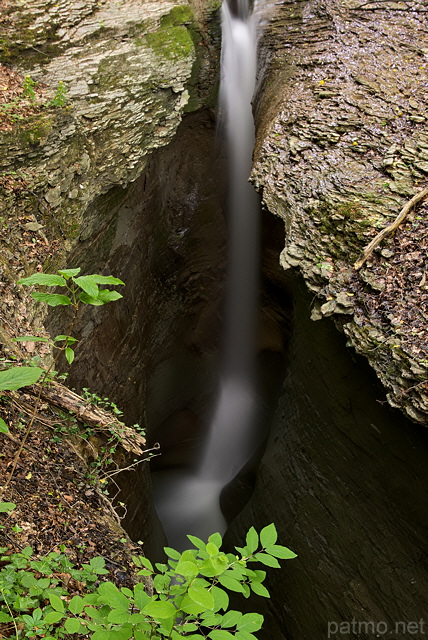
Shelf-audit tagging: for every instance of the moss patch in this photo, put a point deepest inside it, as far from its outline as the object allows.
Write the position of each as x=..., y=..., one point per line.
x=35, y=130
x=180, y=15
x=171, y=42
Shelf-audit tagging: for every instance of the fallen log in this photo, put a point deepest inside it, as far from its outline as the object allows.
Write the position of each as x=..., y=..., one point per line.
x=90, y=414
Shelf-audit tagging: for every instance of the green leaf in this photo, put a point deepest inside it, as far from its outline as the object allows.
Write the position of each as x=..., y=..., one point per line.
x=188, y=627
x=211, y=549
x=69, y=273
x=231, y=618
x=250, y=622
x=214, y=566
x=53, y=616
x=97, y=564
x=46, y=279
x=221, y=598
x=73, y=625
x=268, y=536
x=230, y=583
x=69, y=354
x=28, y=620
x=105, y=279
x=221, y=634
x=201, y=596
x=269, y=561
x=103, y=635
x=110, y=594
x=256, y=576
x=87, y=299
x=56, y=602
x=28, y=580
x=280, y=552
x=3, y=426
x=51, y=299
x=29, y=339
x=260, y=589
x=197, y=542
x=211, y=619
x=244, y=635
x=252, y=540
x=192, y=608
x=5, y=617
x=216, y=539
x=17, y=377
x=246, y=590
x=69, y=339
x=76, y=605
x=118, y=616
x=187, y=569
x=172, y=553
x=161, y=583
x=109, y=296
x=159, y=610
x=141, y=598
x=141, y=561
x=88, y=285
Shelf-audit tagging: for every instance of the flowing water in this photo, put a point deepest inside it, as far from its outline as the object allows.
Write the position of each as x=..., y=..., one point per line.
x=190, y=503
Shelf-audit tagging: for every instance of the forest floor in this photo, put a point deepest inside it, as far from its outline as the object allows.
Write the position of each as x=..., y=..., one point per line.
x=60, y=502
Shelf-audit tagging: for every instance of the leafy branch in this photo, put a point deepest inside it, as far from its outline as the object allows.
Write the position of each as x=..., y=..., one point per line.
x=190, y=593
x=78, y=289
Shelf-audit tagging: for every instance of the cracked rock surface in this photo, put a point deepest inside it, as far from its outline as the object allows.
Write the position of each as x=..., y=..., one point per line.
x=342, y=145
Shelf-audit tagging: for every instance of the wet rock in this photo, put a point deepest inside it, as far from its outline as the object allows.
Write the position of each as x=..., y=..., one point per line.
x=129, y=73
x=341, y=147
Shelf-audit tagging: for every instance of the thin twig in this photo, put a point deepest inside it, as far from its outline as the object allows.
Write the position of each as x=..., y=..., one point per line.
x=390, y=228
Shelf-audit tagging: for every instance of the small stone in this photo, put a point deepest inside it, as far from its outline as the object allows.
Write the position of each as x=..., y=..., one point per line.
x=33, y=226
x=423, y=166
x=344, y=300
x=316, y=312
x=328, y=308
x=387, y=253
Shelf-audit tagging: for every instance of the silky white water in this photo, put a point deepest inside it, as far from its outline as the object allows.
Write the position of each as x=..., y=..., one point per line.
x=190, y=503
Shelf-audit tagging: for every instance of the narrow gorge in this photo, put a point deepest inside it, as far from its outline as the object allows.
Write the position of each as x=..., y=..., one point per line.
x=131, y=176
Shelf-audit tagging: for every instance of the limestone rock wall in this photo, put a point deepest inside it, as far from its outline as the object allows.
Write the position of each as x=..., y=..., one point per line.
x=342, y=145
x=130, y=70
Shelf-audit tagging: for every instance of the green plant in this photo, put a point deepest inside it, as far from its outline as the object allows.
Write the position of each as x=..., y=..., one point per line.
x=60, y=97
x=28, y=88
x=78, y=289
x=107, y=404
x=188, y=596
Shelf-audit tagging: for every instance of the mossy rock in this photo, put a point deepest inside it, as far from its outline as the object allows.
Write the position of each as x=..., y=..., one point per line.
x=172, y=42
x=183, y=14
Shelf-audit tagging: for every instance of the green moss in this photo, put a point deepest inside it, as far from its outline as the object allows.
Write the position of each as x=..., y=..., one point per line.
x=35, y=130
x=171, y=42
x=183, y=14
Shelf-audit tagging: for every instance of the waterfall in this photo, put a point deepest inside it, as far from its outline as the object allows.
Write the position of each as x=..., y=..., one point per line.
x=229, y=443
x=191, y=504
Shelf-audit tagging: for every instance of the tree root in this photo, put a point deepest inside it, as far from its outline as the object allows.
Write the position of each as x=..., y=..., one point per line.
x=390, y=228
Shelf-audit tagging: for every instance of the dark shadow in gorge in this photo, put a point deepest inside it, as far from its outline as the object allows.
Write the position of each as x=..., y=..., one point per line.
x=344, y=479
x=155, y=353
